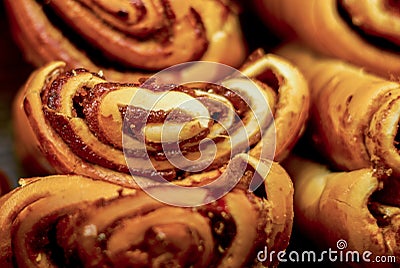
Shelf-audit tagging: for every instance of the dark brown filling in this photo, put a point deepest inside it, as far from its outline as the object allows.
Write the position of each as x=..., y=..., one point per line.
x=43, y=240
x=137, y=118
x=183, y=243
x=63, y=128
x=222, y=225
x=122, y=14
x=94, y=54
x=151, y=84
x=86, y=105
x=271, y=79
x=51, y=95
x=177, y=239
x=234, y=98
x=188, y=251
x=162, y=34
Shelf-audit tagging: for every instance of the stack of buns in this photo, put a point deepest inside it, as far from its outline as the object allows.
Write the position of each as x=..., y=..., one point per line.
x=152, y=135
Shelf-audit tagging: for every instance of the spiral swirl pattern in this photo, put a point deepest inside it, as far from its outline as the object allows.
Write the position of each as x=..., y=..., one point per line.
x=354, y=115
x=85, y=125
x=70, y=220
x=123, y=37
x=352, y=211
x=364, y=33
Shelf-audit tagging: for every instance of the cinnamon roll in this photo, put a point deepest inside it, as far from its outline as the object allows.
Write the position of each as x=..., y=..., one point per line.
x=354, y=115
x=364, y=33
x=360, y=209
x=122, y=38
x=75, y=221
x=77, y=122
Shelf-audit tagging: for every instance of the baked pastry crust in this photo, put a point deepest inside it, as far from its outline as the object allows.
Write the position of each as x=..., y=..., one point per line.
x=363, y=33
x=72, y=121
x=124, y=39
x=355, y=115
x=359, y=207
x=63, y=220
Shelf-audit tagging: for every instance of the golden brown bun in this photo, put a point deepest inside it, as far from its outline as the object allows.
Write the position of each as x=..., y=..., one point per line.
x=354, y=118
x=63, y=220
x=124, y=38
x=347, y=211
x=71, y=121
x=364, y=33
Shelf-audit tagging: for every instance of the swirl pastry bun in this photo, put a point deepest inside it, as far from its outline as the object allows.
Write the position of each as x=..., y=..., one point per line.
x=122, y=38
x=75, y=121
x=359, y=207
x=355, y=115
x=364, y=33
x=63, y=220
